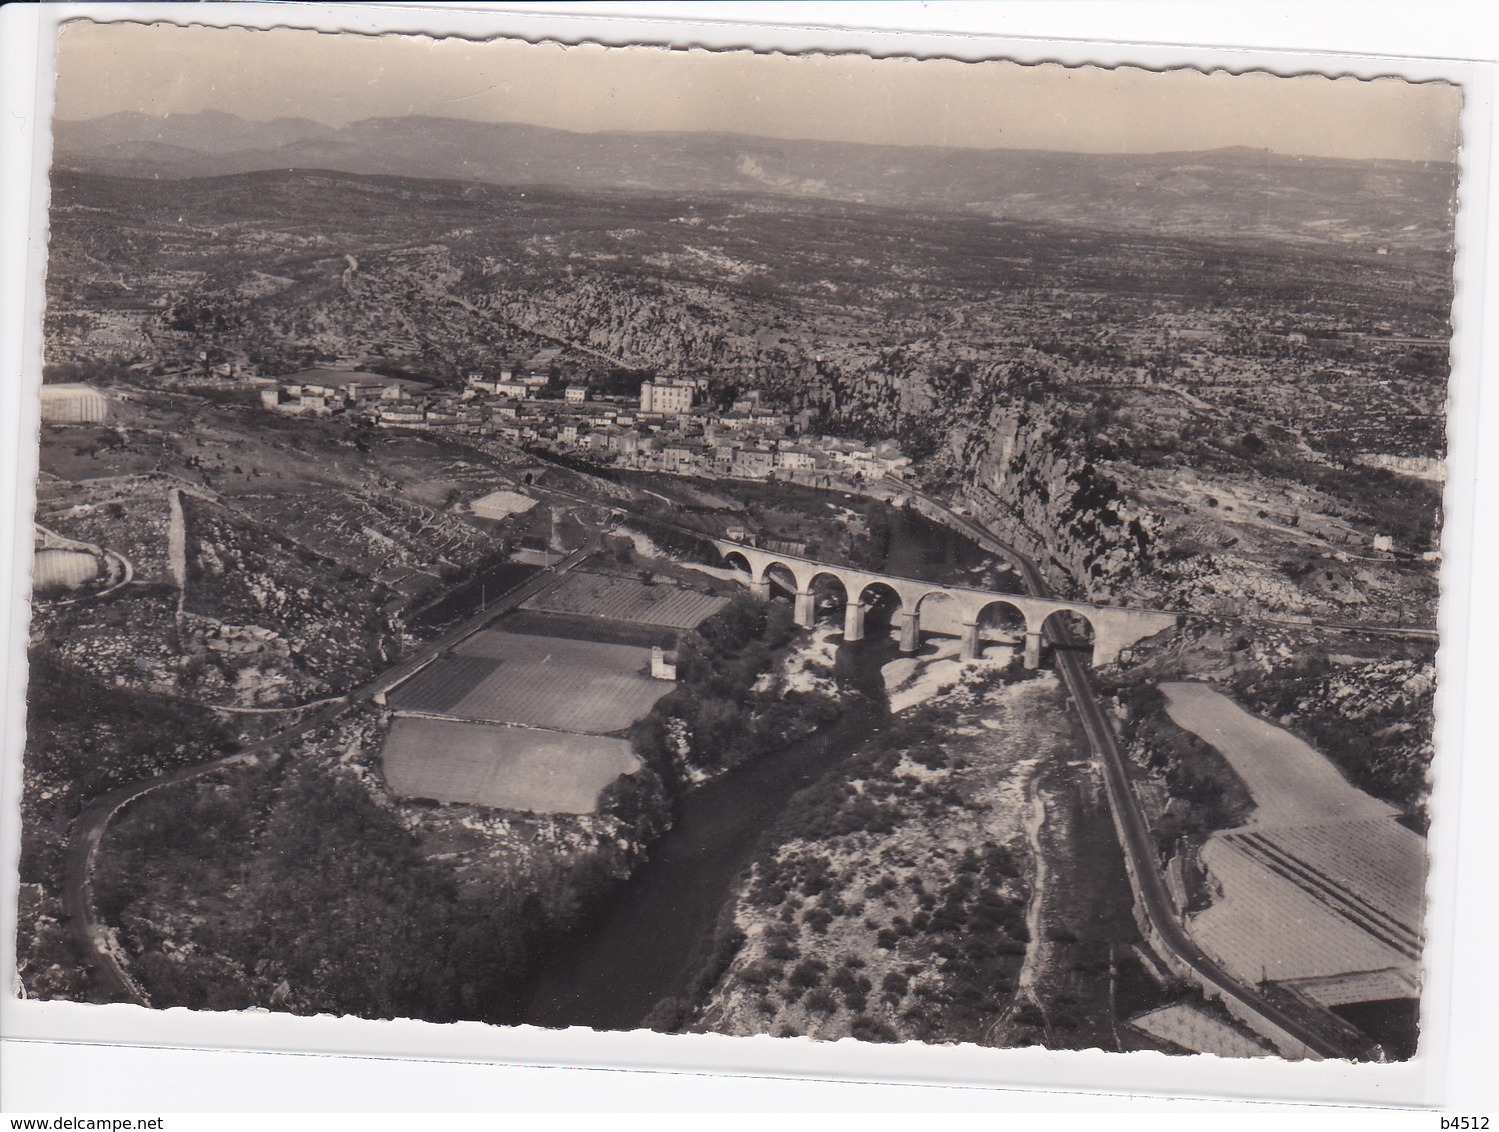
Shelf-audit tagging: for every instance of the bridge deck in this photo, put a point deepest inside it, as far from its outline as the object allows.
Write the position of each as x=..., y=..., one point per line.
x=771, y=558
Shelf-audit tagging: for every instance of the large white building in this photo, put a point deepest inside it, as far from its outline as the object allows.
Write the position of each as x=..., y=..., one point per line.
x=504, y=386
x=669, y=397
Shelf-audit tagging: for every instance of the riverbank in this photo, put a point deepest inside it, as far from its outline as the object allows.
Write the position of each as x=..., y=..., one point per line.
x=644, y=943
x=895, y=905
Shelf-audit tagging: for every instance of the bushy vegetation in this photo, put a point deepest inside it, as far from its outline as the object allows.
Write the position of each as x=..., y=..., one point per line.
x=87, y=370
x=1373, y=720
x=307, y=896
x=245, y=573
x=865, y=793
x=726, y=721
x=886, y=911
x=1206, y=794
x=84, y=738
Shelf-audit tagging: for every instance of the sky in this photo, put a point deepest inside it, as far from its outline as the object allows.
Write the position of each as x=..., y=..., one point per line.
x=337, y=78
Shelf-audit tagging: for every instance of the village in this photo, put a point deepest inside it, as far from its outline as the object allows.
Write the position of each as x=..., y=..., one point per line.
x=669, y=427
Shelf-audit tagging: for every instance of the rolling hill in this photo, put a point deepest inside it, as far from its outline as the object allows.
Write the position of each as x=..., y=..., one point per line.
x=1221, y=193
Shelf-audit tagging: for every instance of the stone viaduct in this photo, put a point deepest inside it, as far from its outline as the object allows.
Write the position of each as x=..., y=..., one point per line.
x=1113, y=628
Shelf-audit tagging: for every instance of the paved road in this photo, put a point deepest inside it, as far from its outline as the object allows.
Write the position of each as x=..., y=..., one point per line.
x=89, y=827
x=1136, y=841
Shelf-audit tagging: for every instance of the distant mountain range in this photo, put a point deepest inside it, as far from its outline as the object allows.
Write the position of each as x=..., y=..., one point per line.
x=1227, y=192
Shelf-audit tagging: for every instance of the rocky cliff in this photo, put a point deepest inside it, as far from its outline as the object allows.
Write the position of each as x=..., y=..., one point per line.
x=1028, y=472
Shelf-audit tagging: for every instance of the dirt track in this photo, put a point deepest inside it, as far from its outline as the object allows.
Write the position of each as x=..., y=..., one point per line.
x=89, y=935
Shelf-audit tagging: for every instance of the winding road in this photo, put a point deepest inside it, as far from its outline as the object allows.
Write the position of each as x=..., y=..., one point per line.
x=1145, y=874
x=89, y=828
x=90, y=936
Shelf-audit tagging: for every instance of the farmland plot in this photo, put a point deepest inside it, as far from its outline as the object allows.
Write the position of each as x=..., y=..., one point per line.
x=439, y=686
x=509, y=768
x=65, y=568
x=1382, y=863
x=1268, y=925
x=501, y=505
x=1292, y=783
x=626, y=599
x=1322, y=882
x=579, y=686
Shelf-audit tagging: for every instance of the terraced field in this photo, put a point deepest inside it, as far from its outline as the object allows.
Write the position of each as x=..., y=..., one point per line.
x=67, y=568
x=1191, y=1029
x=1369, y=873
x=626, y=599
x=1268, y=925
x=509, y=768
x=552, y=682
x=440, y=686
x=1322, y=886
x=501, y=505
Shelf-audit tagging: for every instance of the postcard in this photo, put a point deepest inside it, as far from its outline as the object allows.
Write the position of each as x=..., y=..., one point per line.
x=945, y=556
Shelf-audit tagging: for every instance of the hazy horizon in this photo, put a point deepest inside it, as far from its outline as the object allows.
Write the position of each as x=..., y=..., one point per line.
x=725, y=132
x=262, y=75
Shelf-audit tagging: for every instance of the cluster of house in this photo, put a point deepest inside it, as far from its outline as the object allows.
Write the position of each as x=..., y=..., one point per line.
x=482, y=407
x=665, y=428
x=719, y=448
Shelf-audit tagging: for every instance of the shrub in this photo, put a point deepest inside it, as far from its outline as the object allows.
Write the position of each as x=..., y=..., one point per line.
x=808, y=973
x=759, y=974
x=818, y=920
x=668, y=1016
x=781, y=949
x=821, y=1001
x=866, y=1029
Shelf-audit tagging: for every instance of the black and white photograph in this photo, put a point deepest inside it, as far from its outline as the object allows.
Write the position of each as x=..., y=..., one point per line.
x=808, y=545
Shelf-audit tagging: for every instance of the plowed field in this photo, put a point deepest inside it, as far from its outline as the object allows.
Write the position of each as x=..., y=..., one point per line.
x=580, y=686
x=626, y=599
x=1321, y=882
x=509, y=768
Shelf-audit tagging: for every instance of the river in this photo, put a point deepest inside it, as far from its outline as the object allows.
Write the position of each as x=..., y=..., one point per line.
x=647, y=938
x=920, y=548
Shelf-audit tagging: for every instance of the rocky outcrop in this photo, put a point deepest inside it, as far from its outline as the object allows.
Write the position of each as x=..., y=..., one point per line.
x=1027, y=472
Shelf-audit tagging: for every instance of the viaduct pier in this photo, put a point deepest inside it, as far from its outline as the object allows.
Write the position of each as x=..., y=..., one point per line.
x=1114, y=628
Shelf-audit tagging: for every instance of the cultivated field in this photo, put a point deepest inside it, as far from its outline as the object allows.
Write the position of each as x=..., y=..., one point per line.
x=501, y=505
x=1191, y=1029
x=442, y=684
x=508, y=768
x=1321, y=881
x=579, y=686
x=626, y=599
x=1373, y=872
x=1267, y=925
x=70, y=568
x=1292, y=784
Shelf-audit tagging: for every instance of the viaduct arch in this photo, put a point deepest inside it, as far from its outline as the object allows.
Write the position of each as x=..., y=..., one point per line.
x=1114, y=628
